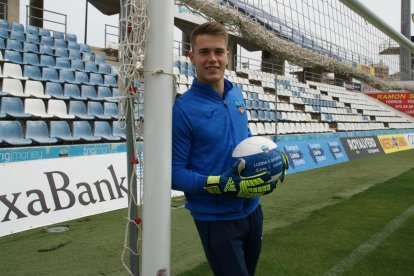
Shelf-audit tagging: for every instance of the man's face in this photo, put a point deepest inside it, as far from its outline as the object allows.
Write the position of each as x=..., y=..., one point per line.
x=210, y=58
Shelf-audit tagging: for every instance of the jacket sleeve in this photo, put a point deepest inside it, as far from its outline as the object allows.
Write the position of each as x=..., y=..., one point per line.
x=183, y=179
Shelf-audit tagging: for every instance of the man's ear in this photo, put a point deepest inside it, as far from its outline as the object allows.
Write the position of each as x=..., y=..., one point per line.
x=191, y=56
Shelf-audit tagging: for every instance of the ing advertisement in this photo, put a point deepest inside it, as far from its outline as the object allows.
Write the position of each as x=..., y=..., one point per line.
x=357, y=147
x=402, y=101
x=393, y=142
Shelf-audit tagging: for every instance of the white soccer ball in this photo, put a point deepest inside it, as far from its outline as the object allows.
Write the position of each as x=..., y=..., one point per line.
x=261, y=154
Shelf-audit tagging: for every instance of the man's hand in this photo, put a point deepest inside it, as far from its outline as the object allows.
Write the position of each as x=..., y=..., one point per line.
x=231, y=182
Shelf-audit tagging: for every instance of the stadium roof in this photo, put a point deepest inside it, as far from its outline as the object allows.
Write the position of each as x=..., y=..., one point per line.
x=108, y=7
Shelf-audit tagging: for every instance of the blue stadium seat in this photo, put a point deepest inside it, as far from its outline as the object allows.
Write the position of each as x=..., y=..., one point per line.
x=60, y=44
x=54, y=90
x=19, y=36
x=74, y=54
x=84, y=131
x=47, y=61
x=96, y=109
x=30, y=48
x=61, y=131
x=58, y=35
x=32, y=38
x=71, y=37
x=2, y=44
x=50, y=74
x=15, y=45
x=4, y=33
x=85, y=48
x=38, y=131
x=255, y=104
x=45, y=50
x=32, y=30
x=99, y=59
x=115, y=93
x=31, y=59
x=90, y=66
x=61, y=52
x=62, y=63
x=78, y=109
x=81, y=77
x=88, y=56
x=17, y=27
x=44, y=32
x=254, y=115
x=117, y=130
x=72, y=90
x=89, y=92
x=261, y=115
x=11, y=133
x=32, y=72
x=72, y=45
x=77, y=65
x=110, y=81
x=104, y=93
x=111, y=109
x=4, y=24
x=66, y=75
x=104, y=68
x=248, y=104
x=103, y=129
x=47, y=40
x=13, y=107
x=95, y=79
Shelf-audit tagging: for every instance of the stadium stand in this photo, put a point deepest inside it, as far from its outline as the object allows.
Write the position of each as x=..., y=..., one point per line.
x=55, y=90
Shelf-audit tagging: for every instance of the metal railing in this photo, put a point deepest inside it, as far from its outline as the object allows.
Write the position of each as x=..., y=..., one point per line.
x=110, y=43
x=62, y=16
x=3, y=10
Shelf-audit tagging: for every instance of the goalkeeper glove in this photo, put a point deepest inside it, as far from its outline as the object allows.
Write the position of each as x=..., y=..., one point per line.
x=231, y=182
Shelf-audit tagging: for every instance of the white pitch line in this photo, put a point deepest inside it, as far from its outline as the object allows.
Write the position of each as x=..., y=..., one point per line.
x=352, y=259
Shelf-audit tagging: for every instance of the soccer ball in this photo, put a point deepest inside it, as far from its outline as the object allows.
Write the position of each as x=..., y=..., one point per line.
x=261, y=154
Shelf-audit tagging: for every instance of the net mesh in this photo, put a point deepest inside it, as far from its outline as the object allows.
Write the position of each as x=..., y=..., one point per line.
x=314, y=34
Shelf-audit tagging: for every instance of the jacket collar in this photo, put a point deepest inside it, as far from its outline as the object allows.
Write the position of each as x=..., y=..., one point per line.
x=208, y=91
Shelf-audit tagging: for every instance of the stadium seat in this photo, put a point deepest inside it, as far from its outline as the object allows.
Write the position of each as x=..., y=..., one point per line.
x=104, y=69
x=78, y=109
x=4, y=24
x=11, y=133
x=104, y=93
x=61, y=52
x=115, y=94
x=30, y=48
x=281, y=128
x=32, y=38
x=110, y=81
x=13, y=87
x=59, y=43
x=66, y=75
x=96, y=109
x=44, y=32
x=13, y=107
x=77, y=65
x=83, y=130
x=90, y=66
x=71, y=37
x=253, y=129
x=81, y=77
x=84, y=48
x=61, y=131
x=31, y=59
x=46, y=50
x=95, y=79
x=58, y=109
x=74, y=54
x=73, y=45
x=99, y=59
x=88, y=56
x=54, y=90
x=2, y=46
x=50, y=74
x=12, y=56
x=58, y=35
x=4, y=33
x=15, y=35
x=14, y=45
x=17, y=27
x=254, y=115
x=32, y=30
x=103, y=129
x=62, y=63
x=260, y=129
x=111, y=109
x=47, y=61
x=72, y=90
x=11, y=70
x=32, y=72
x=47, y=40
x=89, y=92
x=38, y=132
x=117, y=130
x=35, y=89
x=36, y=107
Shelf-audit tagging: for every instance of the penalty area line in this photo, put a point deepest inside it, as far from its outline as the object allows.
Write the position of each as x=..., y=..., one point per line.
x=347, y=263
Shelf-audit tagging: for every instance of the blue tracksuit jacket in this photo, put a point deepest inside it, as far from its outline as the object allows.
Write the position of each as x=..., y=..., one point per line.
x=206, y=129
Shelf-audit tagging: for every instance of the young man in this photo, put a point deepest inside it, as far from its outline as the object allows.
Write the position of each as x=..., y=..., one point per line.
x=209, y=120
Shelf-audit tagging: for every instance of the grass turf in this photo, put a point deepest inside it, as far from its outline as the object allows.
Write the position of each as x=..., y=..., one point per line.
x=303, y=235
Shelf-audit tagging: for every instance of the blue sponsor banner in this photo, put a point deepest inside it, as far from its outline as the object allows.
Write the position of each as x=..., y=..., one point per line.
x=50, y=152
x=311, y=154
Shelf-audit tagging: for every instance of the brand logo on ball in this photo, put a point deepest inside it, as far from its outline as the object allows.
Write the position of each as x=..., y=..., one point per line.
x=265, y=148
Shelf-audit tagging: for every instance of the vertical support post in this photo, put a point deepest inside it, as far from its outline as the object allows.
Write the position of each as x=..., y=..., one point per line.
x=86, y=23
x=130, y=148
x=405, y=54
x=158, y=100
x=276, y=119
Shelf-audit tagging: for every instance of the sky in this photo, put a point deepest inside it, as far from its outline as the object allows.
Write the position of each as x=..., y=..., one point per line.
x=388, y=10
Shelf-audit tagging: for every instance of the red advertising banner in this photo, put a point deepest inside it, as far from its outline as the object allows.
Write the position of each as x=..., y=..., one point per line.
x=403, y=101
